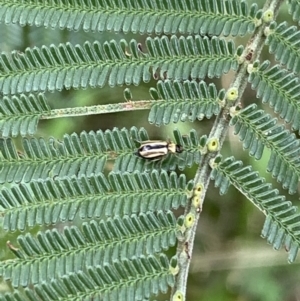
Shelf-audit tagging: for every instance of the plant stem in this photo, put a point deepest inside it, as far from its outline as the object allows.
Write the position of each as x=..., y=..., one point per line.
x=99, y=109
x=218, y=131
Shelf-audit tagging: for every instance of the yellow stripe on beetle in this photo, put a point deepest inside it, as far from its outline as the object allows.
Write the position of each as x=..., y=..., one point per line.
x=156, y=149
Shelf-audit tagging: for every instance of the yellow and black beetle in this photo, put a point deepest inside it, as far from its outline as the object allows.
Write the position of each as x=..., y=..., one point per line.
x=157, y=149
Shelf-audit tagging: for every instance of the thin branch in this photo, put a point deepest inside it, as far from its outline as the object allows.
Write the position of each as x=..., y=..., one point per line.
x=219, y=131
x=100, y=109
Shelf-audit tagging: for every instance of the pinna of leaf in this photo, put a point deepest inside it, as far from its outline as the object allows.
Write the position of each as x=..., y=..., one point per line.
x=156, y=149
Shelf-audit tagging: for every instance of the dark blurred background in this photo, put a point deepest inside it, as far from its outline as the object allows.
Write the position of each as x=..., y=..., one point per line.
x=230, y=260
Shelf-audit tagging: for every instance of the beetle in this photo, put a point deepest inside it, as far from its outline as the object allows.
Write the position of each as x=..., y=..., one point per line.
x=157, y=149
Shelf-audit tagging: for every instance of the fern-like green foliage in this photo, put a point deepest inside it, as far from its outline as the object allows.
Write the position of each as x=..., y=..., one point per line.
x=97, y=219
x=181, y=102
x=294, y=9
x=41, y=159
x=75, y=249
x=280, y=89
x=193, y=16
x=86, y=154
x=94, y=65
x=257, y=129
x=282, y=222
x=283, y=41
x=140, y=277
x=20, y=115
x=91, y=197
